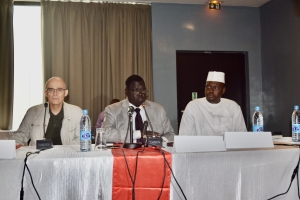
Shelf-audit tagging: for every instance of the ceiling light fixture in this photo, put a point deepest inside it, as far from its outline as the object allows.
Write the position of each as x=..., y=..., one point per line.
x=215, y=5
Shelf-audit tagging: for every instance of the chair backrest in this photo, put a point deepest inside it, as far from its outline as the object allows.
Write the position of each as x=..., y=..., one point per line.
x=5, y=135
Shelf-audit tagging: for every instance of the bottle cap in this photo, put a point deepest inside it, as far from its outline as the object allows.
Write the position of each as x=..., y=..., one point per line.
x=296, y=107
x=257, y=108
x=85, y=112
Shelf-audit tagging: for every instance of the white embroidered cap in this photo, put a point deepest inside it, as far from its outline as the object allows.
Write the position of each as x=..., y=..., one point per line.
x=216, y=76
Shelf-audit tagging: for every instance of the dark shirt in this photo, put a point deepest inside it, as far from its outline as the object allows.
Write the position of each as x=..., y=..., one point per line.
x=54, y=127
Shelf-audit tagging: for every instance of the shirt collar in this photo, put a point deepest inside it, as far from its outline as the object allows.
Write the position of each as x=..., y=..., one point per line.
x=140, y=107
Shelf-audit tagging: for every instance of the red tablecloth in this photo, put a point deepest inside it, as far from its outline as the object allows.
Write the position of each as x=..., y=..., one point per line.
x=149, y=177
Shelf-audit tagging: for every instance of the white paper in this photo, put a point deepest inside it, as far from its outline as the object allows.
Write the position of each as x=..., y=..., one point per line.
x=198, y=144
x=285, y=140
x=136, y=135
x=7, y=149
x=245, y=140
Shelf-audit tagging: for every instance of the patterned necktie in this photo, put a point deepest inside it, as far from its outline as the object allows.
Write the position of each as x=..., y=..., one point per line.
x=139, y=125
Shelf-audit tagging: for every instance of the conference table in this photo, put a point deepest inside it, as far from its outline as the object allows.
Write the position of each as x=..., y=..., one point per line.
x=64, y=172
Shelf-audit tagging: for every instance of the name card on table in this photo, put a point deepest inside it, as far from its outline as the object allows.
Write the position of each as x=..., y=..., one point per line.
x=183, y=144
x=246, y=140
x=7, y=149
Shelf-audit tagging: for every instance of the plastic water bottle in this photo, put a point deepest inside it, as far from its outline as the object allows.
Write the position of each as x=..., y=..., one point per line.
x=85, y=132
x=296, y=124
x=257, y=120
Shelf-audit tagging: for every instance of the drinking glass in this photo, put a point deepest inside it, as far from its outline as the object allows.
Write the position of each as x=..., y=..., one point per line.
x=100, y=142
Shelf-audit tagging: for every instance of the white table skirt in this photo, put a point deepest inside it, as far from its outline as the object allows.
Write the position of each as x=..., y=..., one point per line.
x=59, y=173
x=66, y=173
x=236, y=175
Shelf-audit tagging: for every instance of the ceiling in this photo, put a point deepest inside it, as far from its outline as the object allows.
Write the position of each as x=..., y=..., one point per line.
x=249, y=3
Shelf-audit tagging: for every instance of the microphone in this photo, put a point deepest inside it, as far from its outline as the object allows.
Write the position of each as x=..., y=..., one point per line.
x=130, y=145
x=45, y=143
x=130, y=110
x=149, y=121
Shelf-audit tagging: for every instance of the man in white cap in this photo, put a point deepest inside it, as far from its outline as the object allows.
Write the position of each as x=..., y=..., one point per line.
x=212, y=115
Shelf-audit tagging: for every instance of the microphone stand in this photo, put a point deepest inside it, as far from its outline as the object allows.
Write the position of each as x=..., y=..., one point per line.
x=152, y=141
x=144, y=135
x=130, y=145
x=44, y=143
x=45, y=105
x=148, y=120
x=130, y=128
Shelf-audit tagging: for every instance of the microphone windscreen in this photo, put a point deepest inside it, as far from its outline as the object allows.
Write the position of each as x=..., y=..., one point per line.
x=45, y=105
x=130, y=109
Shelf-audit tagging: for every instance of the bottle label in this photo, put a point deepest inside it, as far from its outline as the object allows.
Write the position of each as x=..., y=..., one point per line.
x=258, y=128
x=85, y=135
x=296, y=128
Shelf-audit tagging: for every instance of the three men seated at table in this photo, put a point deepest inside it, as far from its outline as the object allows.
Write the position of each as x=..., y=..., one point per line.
x=62, y=120
x=116, y=115
x=212, y=115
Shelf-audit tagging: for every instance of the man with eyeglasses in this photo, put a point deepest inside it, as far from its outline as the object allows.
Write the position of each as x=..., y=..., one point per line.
x=116, y=115
x=212, y=115
x=62, y=120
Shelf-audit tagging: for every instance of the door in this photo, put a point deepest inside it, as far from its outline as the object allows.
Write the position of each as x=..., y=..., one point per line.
x=192, y=68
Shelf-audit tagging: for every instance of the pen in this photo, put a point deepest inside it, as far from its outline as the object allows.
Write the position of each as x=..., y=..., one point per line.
x=113, y=147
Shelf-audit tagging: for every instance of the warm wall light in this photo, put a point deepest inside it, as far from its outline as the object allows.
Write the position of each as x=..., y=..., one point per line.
x=215, y=5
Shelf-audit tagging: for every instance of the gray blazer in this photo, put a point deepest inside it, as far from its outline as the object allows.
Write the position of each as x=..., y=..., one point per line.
x=116, y=121
x=32, y=125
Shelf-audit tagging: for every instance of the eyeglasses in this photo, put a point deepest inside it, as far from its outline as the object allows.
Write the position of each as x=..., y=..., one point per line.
x=137, y=91
x=215, y=88
x=58, y=90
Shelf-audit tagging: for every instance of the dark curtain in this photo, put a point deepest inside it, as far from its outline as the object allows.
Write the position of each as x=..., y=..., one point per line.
x=94, y=47
x=6, y=64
